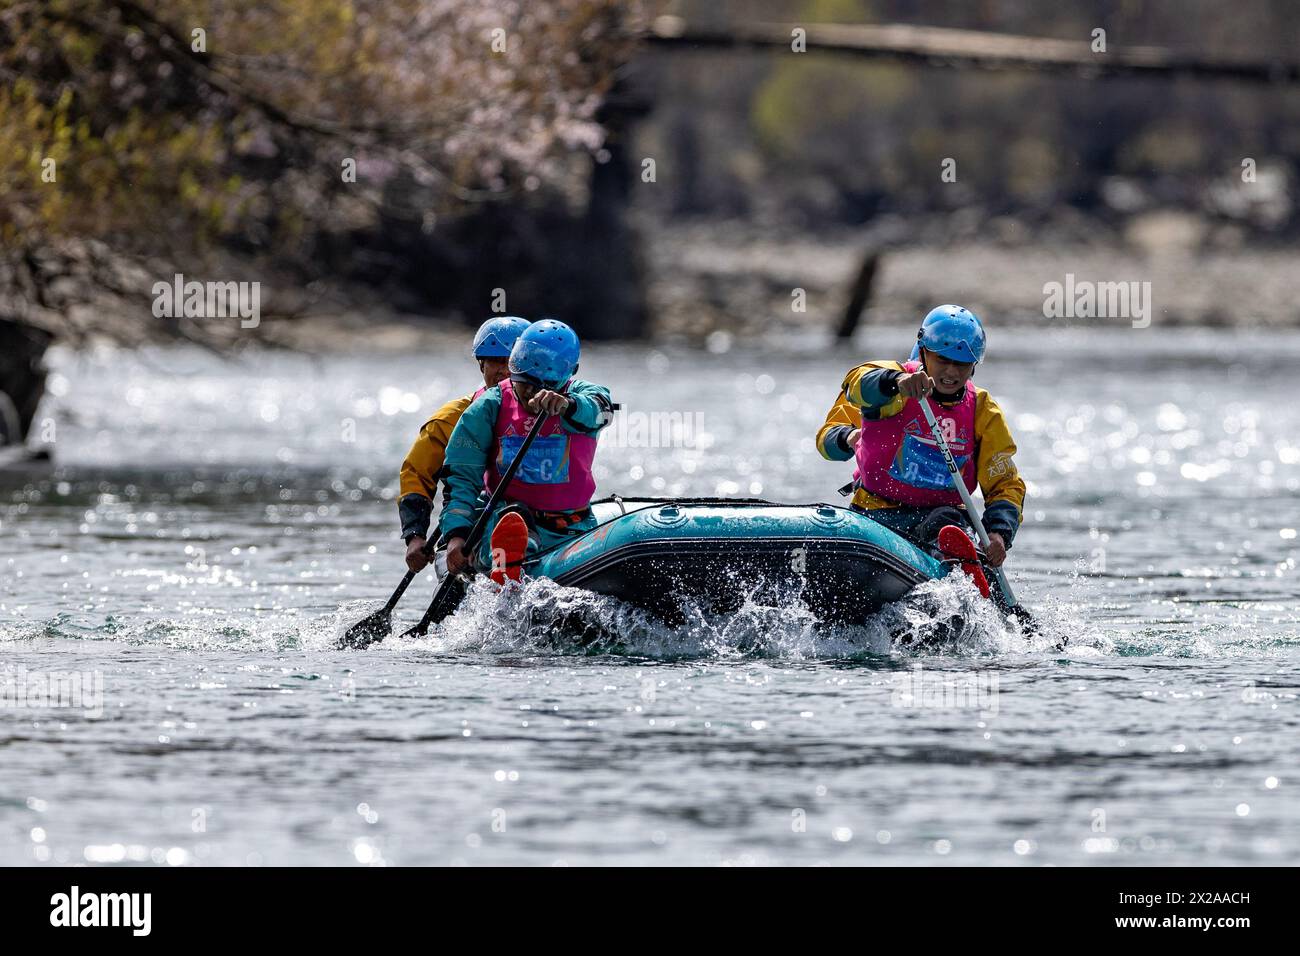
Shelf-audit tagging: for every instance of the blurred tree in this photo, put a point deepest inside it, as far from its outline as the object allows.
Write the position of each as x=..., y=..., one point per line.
x=163, y=132
x=838, y=140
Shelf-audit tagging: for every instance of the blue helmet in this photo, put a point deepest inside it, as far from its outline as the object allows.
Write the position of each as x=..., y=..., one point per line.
x=496, y=337
x=546, y=354
x=953, y=332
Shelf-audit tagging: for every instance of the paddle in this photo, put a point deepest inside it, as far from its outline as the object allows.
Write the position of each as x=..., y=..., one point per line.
x=377, y=626
x=452, y=588
x=1013, y=607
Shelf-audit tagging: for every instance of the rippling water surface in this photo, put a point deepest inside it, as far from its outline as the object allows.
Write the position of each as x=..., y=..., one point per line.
x=212, y=527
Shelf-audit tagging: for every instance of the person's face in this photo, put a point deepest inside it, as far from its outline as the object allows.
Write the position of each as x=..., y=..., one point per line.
x=495, y=370
x=949, y=376
x=524, y=391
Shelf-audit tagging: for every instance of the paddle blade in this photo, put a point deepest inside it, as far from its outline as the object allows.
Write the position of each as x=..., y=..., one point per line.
x=372, y=629
x=955, y=543
x=1028, y=623
x=450, y=593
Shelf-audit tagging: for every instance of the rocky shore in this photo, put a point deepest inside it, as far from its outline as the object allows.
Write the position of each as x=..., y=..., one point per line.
x=734, y=278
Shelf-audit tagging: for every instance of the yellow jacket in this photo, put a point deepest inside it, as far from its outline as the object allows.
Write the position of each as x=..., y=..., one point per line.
x=995, y=466
x=422, y=468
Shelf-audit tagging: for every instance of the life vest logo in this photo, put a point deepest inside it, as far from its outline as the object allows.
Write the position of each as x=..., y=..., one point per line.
x=957, y=438
x=920, y=462
x=547, y=461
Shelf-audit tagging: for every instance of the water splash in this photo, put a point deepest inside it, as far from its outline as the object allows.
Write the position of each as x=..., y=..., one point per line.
x=538, y=616
x=946, y=617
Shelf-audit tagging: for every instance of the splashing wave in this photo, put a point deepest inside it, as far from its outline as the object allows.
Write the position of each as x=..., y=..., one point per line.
x=541, y=617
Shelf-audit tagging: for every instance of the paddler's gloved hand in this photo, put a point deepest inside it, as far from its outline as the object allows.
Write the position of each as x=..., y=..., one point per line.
x=996, y=552
x=852, y=440
x=915, y=384
x=551, y=403
x=417, y=558
x=456, y=558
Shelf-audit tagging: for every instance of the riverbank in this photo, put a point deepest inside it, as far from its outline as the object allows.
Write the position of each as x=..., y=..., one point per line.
x=711, y=283
x=737, y=279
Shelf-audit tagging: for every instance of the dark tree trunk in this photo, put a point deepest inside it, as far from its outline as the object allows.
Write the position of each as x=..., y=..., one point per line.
x=22, y=378
x=859, y=294
x=609, y=257
x=585, y=267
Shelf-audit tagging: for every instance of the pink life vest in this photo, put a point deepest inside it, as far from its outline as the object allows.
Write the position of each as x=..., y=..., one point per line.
x=555, y=475
x=899, y=460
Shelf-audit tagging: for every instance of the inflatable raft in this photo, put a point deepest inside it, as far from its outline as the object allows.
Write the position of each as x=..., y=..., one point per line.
x=714, y=553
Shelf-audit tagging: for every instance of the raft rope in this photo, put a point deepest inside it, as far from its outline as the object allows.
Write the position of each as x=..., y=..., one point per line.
x=659, y=503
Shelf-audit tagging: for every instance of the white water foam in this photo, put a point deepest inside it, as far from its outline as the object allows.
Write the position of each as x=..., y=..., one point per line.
x=944, y=617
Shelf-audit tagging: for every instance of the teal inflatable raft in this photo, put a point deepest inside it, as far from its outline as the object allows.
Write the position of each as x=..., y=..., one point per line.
x=713, y=553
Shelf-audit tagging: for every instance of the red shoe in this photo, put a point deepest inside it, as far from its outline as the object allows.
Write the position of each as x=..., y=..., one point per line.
x=509, y=545
x=955, y=543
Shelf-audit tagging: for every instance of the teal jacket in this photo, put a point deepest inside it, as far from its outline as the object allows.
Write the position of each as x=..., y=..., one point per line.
x=471, y=442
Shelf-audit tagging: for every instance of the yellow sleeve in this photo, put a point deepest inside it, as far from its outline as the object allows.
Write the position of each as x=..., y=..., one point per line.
x=855, y=394
x=847, y=409
x=841, y=413
x=998, y=477
x=419, y=475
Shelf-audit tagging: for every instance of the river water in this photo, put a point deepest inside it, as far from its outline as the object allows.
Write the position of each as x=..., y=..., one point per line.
x=212, y=526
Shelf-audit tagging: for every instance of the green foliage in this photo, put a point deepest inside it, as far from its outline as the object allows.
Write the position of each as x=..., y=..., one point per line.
x=835, y=139
x=162, y=149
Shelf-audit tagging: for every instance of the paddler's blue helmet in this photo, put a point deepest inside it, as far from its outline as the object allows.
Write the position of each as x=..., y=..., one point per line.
x=496, y=337
x=546, y=354
x=953, y=332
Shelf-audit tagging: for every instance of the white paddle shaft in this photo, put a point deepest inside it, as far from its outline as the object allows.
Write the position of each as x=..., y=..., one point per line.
x=960, y=484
